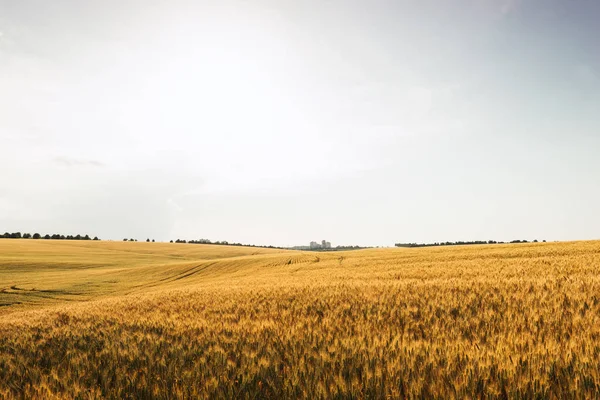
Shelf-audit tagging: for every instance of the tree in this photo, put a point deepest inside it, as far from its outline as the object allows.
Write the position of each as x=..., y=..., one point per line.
x=27, y=236
x=95, y=238
x=37, y=236
x=152, y=240
x=147, y=240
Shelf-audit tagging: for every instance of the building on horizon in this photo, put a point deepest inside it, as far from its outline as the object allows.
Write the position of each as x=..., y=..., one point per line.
x=324, y=245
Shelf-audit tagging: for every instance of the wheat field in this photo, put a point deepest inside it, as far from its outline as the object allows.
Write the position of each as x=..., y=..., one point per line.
x=90, y=320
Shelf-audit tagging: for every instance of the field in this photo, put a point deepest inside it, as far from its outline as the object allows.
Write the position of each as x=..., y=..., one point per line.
x=151, y=320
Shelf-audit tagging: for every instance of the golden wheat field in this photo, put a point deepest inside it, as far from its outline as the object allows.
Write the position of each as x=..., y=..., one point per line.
x=115, y=320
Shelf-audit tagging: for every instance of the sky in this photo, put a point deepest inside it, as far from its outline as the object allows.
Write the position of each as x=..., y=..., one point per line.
x=279, y=122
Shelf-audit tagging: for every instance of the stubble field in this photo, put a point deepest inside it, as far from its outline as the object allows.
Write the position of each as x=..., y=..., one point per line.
x=152, y=320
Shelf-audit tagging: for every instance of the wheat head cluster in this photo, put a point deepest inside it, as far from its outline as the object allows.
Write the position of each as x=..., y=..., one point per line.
x=180, y=321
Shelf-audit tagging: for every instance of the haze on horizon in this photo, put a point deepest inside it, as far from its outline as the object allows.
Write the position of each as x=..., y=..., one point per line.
x=282, y=122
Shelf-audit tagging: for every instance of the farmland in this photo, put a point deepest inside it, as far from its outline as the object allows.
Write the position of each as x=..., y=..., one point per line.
x=154, y=320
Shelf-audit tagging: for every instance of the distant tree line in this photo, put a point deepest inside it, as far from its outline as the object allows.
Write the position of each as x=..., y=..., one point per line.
x=226, y=243
x=19, y=235
x=340, y=248
x=350, y=247
x=459, y=243
x=222, y=243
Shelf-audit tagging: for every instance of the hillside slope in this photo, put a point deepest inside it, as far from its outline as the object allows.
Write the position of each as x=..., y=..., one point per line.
x=39, y=272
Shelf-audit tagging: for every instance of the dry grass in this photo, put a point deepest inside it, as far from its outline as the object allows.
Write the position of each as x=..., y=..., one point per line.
x=190, y=321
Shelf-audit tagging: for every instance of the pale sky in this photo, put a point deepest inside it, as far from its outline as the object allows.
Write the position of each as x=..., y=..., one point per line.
x=281, y=122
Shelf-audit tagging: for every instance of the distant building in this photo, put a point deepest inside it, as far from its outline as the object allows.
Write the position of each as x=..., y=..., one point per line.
x=324, y=245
